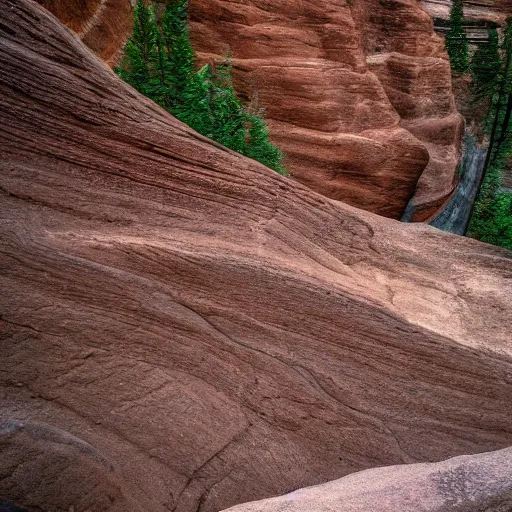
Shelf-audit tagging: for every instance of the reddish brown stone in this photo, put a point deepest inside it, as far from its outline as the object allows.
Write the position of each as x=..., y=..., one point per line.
x=183, y=329
x=335, y=117
x=103, y=25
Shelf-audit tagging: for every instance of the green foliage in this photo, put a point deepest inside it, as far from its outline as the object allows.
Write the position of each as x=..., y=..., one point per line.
x=139, y=50
x=456, y=41
x=486, y=67
x=491, y=220
x=159, y=63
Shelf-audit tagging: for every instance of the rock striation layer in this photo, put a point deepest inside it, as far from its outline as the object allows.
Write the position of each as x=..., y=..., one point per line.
x=469, y=483
x=183, y=329
x=490, y=10
x=357, y=94
x=103, y=25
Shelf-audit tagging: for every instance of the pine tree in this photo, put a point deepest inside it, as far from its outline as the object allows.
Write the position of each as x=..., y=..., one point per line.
x=501, y=107
x=139, y=50
x=491, y=219
x=159, y=63
x=259, y=146
x=160, y=71
x=486, y=67
x=456, y=40
x=195, y=109
x=180, y=54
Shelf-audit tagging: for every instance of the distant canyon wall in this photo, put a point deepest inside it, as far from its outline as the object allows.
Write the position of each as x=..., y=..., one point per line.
x=103, y=25
x=357, y=94
x=491, y=10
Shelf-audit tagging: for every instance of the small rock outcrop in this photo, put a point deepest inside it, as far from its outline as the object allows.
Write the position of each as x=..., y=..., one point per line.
x=470, y=484
x=183, y=329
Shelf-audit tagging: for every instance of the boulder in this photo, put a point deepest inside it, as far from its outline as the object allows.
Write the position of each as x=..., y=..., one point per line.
x=468, y=483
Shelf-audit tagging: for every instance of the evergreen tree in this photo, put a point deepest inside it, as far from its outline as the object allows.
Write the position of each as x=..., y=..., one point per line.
x=456, y=41
x=491, y=219
x=139, y=50
x=180, y=55
x=195, y=109
x=259, y=146
x=159, y=63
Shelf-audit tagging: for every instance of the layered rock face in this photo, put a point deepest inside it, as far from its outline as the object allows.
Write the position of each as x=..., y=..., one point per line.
x=103, y=25
x=471, y=484
x=182, y=329
x=358, y=95
x=410, y=63
x=491, y=10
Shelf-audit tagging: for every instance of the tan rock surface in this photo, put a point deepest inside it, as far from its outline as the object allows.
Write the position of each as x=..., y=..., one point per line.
x=469, y=484
x=340, y=121
x=183, y=329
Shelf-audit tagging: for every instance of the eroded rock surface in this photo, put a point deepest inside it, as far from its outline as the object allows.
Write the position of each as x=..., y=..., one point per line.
x=183, y=329
x=468, y=483
x=103, y=25
x=491, y=10
x=357, y=94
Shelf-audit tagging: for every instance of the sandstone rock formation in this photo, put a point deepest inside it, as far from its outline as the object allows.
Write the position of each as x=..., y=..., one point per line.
x=357, y=94
x=491, y=10
x=182, y=329
x=103, y=25
x=313, y=70
x=469, y=484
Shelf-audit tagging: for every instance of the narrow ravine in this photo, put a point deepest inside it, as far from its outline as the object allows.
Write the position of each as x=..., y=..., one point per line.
x=455, y=216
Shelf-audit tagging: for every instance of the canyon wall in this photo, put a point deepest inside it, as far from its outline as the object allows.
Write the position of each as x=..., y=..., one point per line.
x=103, y=25
x=490, y=10
x=357, y=94
x=183, y=329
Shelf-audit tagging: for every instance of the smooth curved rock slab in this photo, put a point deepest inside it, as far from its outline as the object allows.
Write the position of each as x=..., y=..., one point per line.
x=464, y=484
x=217, y=333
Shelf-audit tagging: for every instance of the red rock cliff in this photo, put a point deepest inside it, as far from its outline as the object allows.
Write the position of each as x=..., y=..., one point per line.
x=358, y=94
x=103, y=25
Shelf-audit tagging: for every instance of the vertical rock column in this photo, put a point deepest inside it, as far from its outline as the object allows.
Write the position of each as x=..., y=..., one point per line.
x=413, y=67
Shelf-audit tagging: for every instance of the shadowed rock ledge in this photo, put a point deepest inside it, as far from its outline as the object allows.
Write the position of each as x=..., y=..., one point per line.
x=188, y=330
